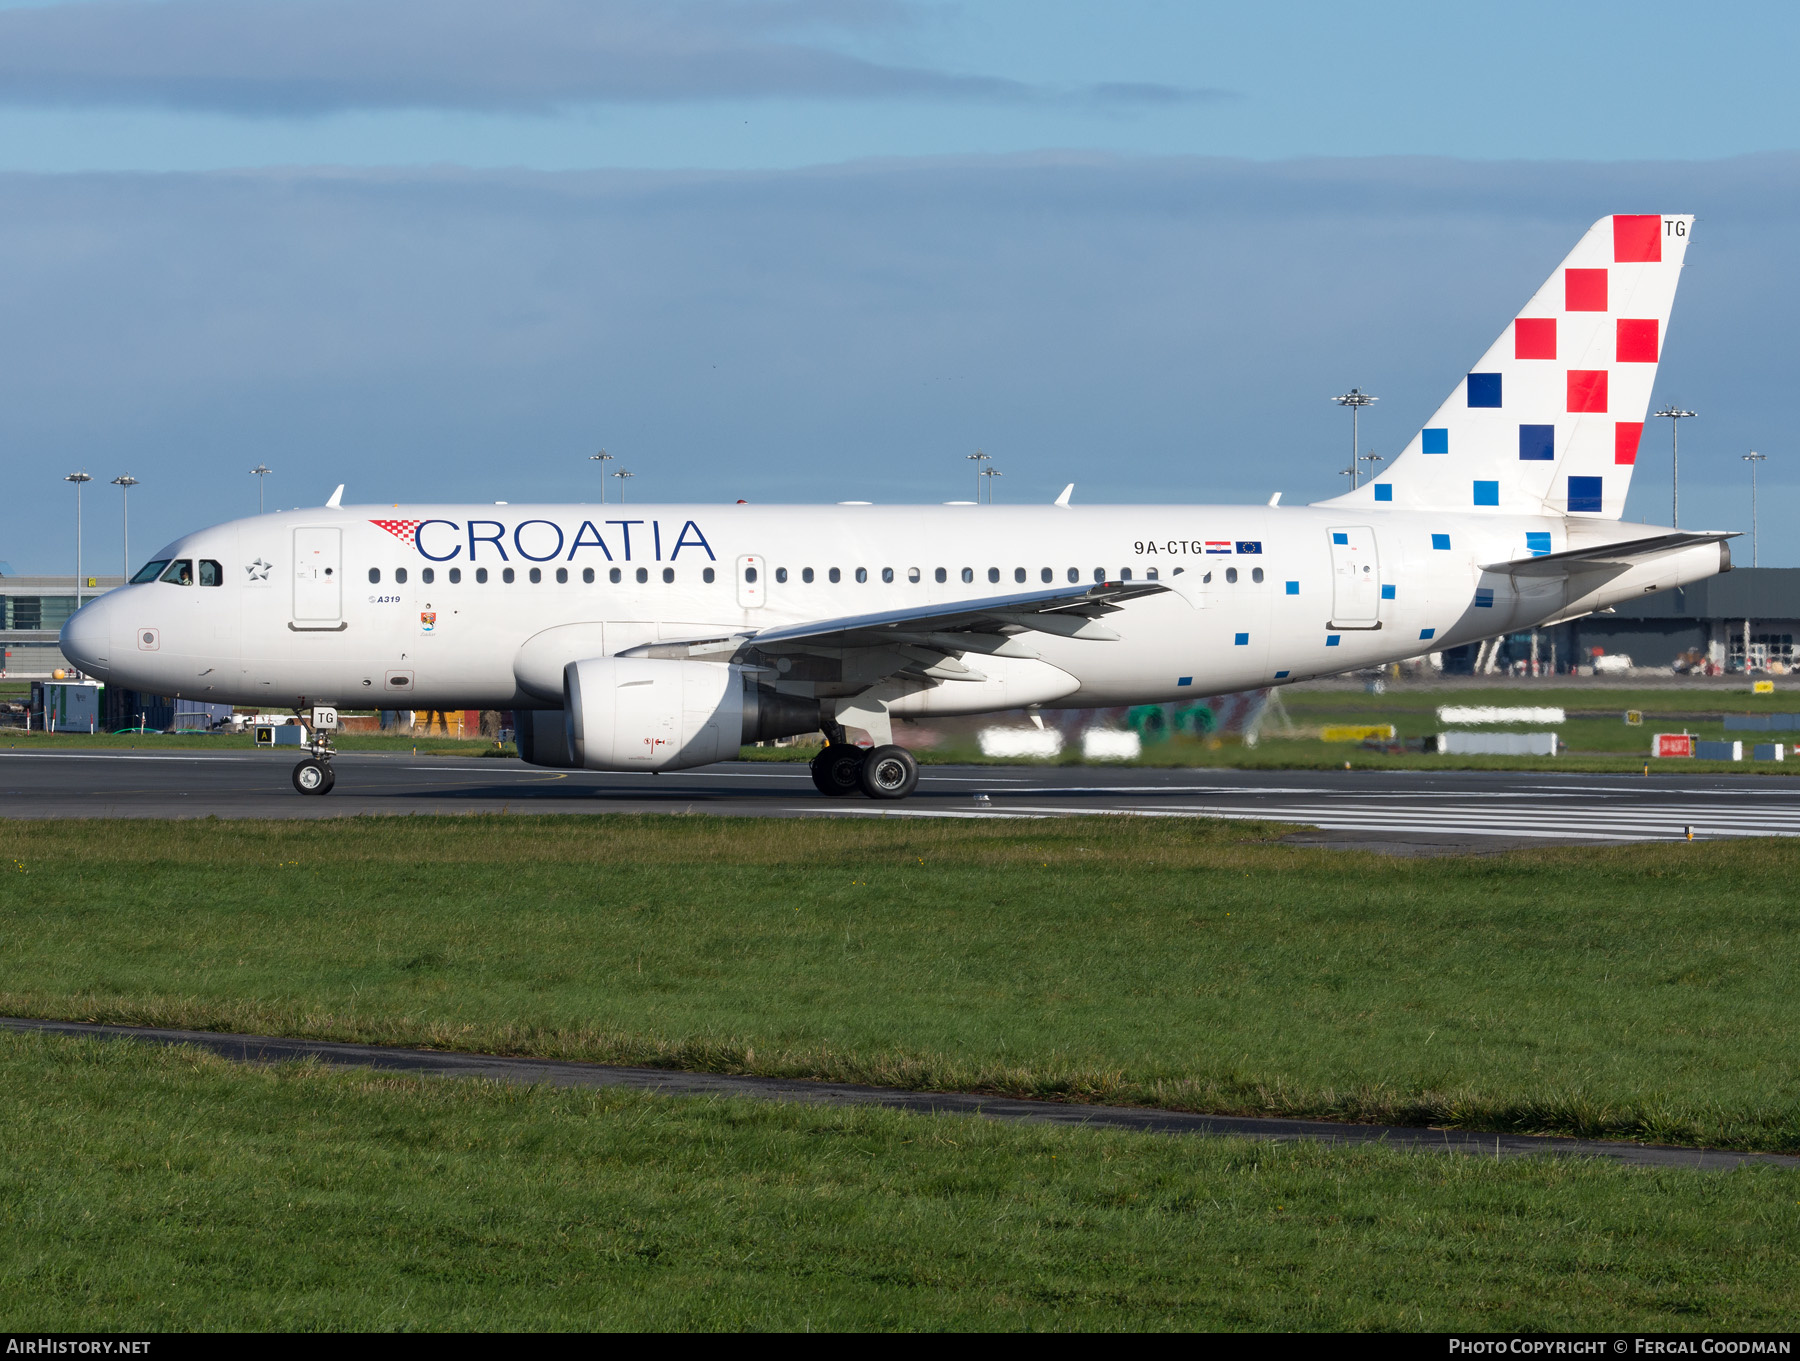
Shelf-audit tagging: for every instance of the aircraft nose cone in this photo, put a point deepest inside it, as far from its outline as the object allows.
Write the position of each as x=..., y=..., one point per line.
x=87, y=639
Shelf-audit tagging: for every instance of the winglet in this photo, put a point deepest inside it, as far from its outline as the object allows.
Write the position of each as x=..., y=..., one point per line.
x=337, y=498
x=1067, y=492
x=1275, y=500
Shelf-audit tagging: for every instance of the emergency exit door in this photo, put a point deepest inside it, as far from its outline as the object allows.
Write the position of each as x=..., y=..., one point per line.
x=1355, y=579
x=318, y=577
x=751, y=588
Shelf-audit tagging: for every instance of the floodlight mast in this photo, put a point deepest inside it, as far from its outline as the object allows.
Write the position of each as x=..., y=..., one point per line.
x=259, y=472
x=1356, y=399
x=990, y=473
x=1753, y=458
x=125, y=482
x=1675, y=417
x=978, y=458
x=602, y=458
x=622, y=474
x=78, y=479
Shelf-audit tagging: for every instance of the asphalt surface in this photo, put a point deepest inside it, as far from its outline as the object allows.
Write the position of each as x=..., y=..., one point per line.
x=502, y=1068
x=1419, y=812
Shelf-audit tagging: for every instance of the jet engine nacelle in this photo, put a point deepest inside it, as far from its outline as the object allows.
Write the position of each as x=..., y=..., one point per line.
x=642, y=713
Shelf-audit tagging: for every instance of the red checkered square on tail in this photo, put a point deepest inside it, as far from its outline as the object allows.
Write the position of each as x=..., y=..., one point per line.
x=402, y=530
x=1626, y=435
x=1637, y=238
x=1587, y=389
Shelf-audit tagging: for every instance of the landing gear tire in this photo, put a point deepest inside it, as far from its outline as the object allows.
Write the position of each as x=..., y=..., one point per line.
x=889, y=773
x=837, y=771
x=313, y=776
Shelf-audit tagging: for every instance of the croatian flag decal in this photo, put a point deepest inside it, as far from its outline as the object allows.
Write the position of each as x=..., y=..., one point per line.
x=1218, y=546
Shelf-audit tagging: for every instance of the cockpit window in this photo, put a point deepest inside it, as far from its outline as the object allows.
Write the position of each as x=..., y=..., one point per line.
x=211, y=574
x=180, y=573
x=150, y=571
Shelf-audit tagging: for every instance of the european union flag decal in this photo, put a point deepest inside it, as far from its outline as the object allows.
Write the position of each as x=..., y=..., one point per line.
x=1249, y=546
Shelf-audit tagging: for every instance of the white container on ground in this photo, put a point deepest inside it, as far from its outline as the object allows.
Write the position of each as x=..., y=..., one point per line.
x=1488, y=713
x=1013, y=744
x=1497, y=743
x=1111, y=744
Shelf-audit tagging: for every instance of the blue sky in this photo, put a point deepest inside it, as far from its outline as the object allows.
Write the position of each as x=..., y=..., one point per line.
x=822, y=249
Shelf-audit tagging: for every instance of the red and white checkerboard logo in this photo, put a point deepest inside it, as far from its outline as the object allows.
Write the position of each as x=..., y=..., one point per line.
x=402, y=530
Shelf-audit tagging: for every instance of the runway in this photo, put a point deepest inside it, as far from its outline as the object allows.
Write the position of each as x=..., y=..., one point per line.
x=1398, y=811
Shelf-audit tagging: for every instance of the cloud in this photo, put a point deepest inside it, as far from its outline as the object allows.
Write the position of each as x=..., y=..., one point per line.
x=1153, y=330
x=304, y=57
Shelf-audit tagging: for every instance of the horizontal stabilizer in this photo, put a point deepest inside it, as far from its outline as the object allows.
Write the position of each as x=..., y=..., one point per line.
x=1621, y=554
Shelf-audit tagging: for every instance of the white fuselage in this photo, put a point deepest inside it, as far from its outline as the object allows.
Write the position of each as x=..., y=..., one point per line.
x=374, y=607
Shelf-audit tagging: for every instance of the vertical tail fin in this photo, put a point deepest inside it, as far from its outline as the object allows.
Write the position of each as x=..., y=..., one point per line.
x=1549, y=420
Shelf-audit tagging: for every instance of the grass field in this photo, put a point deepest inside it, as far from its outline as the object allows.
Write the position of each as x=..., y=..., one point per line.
x=147, y=1189
x=1643, y=992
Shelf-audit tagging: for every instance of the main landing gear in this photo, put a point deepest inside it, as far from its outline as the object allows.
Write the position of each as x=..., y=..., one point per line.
x=884, y=773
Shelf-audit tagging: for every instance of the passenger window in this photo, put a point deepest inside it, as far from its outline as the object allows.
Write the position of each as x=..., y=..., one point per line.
x=968, y=574
x=806, y=575
x=643, y=574
x=506, y=575
x=1100, y=574
x=537, y=576
x=706, y=575
x=942, y=576
x=1048, y=576
x=834, y=576
x=887, y=573
x=150, y=571
x=400, y=575
x=1207, y=579
x=180, y=573
x=1074, y=575
x=862, y=573
x=994, y=574
x=1231, y=575
x=1150, y=573
x=912, y=575
x=781, y=575
x=562, y=576
x=427, y=575
x=1256, y=575
x=455, y=576
x=374, y=576
x=1124, y=574
x=749, y=574
x=587, y=576
x=481, y=576
x=668, y=576
x=1018, y=574
x=614, y=577
x=211, y=574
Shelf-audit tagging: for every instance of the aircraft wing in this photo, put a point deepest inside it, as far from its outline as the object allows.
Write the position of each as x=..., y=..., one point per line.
x=1598, y=556
x=972, y=625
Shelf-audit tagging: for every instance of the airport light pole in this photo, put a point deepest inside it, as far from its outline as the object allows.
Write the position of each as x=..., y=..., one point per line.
x=125, y=483
x=1675, y=417
x=1356, y=399
x=602, y=458
x=1372, y=458
x=259, y=472
x=990, y=472
x=978, y=458
x=78, y=479
x=1753, y=458
x=622, y=474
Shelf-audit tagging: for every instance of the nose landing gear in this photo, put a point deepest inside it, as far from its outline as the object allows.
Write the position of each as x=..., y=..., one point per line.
x=314, y=775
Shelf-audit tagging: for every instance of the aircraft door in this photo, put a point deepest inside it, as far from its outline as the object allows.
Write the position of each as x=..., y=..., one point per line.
x=751, y=589
x=1355, y=578
x=318, y=576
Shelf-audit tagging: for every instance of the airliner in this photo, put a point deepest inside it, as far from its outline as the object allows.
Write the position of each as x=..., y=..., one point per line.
x=663, y=637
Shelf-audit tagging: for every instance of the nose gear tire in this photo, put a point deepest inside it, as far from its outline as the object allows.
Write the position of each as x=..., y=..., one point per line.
x=889, y=773
x=837, y=771
x=313, y=777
